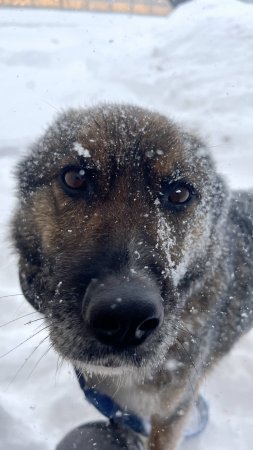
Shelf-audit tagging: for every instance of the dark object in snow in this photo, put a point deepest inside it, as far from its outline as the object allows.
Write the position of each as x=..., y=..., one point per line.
x=139, y=256
x=100, y=436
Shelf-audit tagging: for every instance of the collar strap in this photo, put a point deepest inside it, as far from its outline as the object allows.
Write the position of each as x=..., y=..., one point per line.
x=113, y=411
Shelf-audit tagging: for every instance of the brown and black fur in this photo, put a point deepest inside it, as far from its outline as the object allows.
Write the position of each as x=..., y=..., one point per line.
x=198, y=258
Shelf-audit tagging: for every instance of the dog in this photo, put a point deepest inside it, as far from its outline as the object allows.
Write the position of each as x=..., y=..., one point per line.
x=139, y=256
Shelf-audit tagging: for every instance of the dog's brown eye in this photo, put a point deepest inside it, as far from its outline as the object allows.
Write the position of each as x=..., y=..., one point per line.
x=75, y=179
x=179, y=195
x=176, y=195
x=77, y=182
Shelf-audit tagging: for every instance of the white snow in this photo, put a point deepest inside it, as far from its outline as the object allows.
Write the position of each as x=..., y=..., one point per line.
x=80, y=150
x=164, y=241
x=196, y=66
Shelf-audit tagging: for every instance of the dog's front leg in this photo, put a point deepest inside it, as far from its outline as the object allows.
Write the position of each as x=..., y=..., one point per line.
x=167, y=434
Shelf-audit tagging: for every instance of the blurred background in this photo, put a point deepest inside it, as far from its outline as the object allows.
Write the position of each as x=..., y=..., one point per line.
x=160, y=7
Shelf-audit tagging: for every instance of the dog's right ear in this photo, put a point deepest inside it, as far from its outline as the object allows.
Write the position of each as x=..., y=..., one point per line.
x=30, y=263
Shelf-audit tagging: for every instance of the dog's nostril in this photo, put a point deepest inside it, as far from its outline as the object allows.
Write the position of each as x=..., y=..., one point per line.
x=149, y=325
x=146, y=327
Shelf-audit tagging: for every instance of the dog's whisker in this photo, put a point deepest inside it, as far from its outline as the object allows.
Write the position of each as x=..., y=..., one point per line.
x=59, y=364
x=184, y=331
x=25, y=362
x=188, y=376
x=51, y=105
x=23, y=342
x=78, y=373
x=35, y=320
x=19, y=307
x=39, y=360
x=187, y=354
x=39, y=326
x=18, y=318
x=119, y=384
x=182, y=326
x=11, y=295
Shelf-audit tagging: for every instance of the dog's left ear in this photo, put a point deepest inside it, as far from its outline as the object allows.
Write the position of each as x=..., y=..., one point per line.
x=24, y=235
x=30, y=264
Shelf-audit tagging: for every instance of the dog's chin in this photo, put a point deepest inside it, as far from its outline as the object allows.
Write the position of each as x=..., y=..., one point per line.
x=106, y=370
x=116, y=367
x=113, y=366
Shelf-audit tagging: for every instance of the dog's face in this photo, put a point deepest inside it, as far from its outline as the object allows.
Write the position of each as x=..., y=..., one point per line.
x=115, y=229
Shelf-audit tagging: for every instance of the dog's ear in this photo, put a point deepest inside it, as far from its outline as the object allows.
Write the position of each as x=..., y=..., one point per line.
x=30, y=263
x=24, y=234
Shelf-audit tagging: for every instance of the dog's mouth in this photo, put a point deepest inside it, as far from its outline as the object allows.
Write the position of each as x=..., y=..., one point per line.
x=117, y=327
x=130, y=362
x=111, y=365
x=88, y=354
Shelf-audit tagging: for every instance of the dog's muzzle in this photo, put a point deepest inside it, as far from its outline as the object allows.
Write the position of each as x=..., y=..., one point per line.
x=122, y=311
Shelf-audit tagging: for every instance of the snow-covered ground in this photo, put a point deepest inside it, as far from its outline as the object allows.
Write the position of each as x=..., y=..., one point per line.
x=197, y=67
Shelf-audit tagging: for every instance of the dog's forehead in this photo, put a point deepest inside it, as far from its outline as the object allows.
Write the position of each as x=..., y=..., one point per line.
x=112, y=138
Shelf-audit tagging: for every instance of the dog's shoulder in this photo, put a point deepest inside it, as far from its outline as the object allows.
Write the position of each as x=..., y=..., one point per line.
x=236, y=316
x=241, y=209
x=240, y=225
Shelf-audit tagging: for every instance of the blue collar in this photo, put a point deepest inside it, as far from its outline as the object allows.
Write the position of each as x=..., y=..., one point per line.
x=110, y=409
x=113, y=411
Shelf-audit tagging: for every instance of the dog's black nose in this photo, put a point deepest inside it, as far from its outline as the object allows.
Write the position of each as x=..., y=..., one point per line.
x=122, y=312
